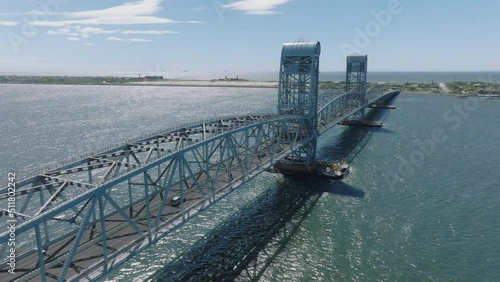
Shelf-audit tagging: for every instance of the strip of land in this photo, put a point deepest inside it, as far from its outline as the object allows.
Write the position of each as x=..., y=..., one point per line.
x=454, y=88
x=210, y=83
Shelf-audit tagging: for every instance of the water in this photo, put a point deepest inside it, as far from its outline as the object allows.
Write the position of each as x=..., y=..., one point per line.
x=421, y=203
x=433, y=222
x=42, y=125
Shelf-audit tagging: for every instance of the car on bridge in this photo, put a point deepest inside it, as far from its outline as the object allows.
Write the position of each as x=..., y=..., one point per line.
x=176, y=201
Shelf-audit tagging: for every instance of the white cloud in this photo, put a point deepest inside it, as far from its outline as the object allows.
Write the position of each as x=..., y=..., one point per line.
x=85, y=32
x=7, y=23
x=30, y=13
x=137, y=8
x=89, y=44
x=115, y=38
x=152, y=32
x=73, y=38
x=95, y=30
x=139, y=40
x=62, y=31
x=131, y=20
x=129, y=13
x=256, y=7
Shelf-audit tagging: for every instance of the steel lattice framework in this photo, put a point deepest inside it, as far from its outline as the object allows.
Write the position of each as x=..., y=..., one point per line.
x=298, y=89
x=344, y=106
x=93, y=205
x=356, y=72
x=356, y=79
x=83, y=219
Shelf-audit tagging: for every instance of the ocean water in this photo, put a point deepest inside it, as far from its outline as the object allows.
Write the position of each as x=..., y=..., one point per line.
x=421, y=202
x=44, y=125
x=431, y=196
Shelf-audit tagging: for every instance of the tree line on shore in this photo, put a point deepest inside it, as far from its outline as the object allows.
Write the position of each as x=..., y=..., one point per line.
x=456, y=87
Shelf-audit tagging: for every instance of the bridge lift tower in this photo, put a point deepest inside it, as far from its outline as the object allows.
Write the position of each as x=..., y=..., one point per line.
x=357, y=66
x=298, y=91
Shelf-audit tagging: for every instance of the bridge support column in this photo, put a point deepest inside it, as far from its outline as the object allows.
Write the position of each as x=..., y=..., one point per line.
x=298, y=91
x=356, y=70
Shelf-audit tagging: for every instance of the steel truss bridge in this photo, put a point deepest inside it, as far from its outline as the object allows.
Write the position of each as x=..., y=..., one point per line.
x=82, y=220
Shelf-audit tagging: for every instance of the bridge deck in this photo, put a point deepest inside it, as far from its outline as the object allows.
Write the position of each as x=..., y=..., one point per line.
x=119, y=234
x=123, y=239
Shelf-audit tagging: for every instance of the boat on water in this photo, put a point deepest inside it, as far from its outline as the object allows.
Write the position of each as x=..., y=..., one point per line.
x=325, y=170
x=333, y=170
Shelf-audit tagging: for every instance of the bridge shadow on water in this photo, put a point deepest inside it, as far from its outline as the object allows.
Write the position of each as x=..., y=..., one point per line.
x=341, y=189
x=244, y=245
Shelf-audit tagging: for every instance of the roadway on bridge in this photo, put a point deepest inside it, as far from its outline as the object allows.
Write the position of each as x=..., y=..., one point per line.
x=120, y=233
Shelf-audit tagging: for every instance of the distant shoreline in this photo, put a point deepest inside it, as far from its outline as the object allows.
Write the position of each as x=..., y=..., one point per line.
x=434, y=88
x=200, y=86
x=173, y=82
x=209, y=83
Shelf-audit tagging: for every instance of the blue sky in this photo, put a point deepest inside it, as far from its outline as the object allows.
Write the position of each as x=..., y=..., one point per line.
x=233, y=36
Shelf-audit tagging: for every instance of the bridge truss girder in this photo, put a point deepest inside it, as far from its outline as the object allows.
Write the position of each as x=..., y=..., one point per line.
x=346, y=106
x=73, y=220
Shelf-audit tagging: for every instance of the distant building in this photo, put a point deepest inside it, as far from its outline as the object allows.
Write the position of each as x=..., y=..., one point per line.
x=154, y=77
x=491, y=92
x=230, y=79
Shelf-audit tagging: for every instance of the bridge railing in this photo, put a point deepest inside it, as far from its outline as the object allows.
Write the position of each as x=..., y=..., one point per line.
x=339, y=107
x=343, y=106
x=374, y=93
